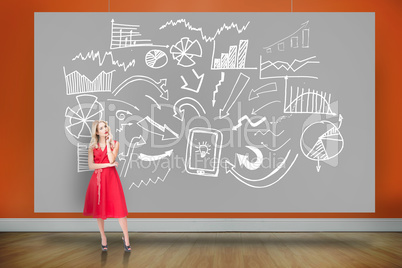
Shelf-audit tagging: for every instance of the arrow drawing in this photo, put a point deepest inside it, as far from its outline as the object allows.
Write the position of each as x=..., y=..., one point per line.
x=217, y=87
x=158, y=85
x=150, y=180
x=241, y=83
x=152, y=99
x=145, y=157
x=178, y=107
x=254, y=94
x=122, y=126
x=121, y=114
x=167, y=133
x=134, y=143
x=266, y=146
x=245, y=117
x=254, y=112
x=135, y=107
x=197, y=84
x=263, y=182
x=243, y=159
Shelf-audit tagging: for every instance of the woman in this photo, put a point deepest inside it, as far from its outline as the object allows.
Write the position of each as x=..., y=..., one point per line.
x=105, y=196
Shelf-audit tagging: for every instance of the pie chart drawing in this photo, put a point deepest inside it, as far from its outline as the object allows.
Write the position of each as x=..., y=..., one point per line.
x=79, y=119
x=156, y=58
x=321, y=141
x=184, y=51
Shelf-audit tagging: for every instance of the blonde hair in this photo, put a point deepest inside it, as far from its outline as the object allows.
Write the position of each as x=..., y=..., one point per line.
x=95, y=137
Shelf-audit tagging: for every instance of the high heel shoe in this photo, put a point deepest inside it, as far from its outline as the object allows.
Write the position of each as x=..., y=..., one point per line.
x=126, y=248
x=104, y=248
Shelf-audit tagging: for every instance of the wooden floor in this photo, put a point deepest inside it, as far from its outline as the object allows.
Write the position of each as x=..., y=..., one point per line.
x=203, y=250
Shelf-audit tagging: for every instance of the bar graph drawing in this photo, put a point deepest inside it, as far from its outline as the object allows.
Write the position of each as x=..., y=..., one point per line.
x=299, y=100
x=126, y=35
x=235, y=58
x=82, y=157
x=300, y=38
x=77, y=83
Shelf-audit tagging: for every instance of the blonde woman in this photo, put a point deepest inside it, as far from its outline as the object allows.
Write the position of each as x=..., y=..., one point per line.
x=105, y=197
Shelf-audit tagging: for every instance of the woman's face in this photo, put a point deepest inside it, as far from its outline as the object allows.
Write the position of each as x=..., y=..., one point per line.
x=102, y=129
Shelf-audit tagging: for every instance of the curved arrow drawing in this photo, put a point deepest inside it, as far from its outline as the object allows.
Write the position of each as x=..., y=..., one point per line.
x=152, y=99
x=243, y=159
x=134, y=143
x=199, y=78
x=270, y=87
x=178, y=107
x=167, y=133
x=254, y=112
x=260, y=183
x=158, y=85
x=145, y=157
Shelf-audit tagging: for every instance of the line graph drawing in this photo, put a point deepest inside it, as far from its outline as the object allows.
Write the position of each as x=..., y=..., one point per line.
x=253, y=124
x=237, y=89
x=327, y=145
x=134, y=143
x=307, y=102
x=126, y=35
x=243, y=159
x=79, y=117
x=156, y=59
x=185, y=50
x=262, y=182
x=77, y=83
x=294, y=66
x=302, y=33
x=187, y=101
x=135, y=78
x=197, y=84
x=107, y=55
x=199, y=29
x=149, y=158
x=265, y=132
x=82, y=157
x=164, y=131
x=149, y=180
x=217, y=88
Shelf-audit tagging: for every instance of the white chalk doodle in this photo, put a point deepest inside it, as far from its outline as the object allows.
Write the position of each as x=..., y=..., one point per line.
x=294, y=66
x=196, y=85
x=107, y=55
x=234, y=58
x=243, y=159
x=151, y=126
x=254, y=112
x=149, y=158
x=127, y=158
x=135, y=78
x=185, y=50
x=217, y=88
x=149, y=180
x=253, y=124
x=156, y=59
x=187, y=101
x=292, y=39
x=82, y=158
x=77, y=83
x=237, y=89
x=129, y=104
x=276, y=149
x=267, y=88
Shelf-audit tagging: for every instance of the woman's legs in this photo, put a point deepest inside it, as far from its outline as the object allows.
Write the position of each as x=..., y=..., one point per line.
x=123, y=225
x=101, y=224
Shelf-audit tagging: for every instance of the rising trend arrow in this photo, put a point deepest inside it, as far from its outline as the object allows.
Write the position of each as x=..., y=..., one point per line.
x=199, y=79
x=241, y=83
x=167, y=133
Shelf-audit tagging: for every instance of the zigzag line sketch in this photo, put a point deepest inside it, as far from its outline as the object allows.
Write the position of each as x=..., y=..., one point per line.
x=125, y=35
x=165, y=131
x=217, y=88
x=239, y=86
x=93, y=56
x=150, y=180
x=135, y=107
x=82, y=157
x=260, y=183
x=204, y=37
x=268, y=131
x=294, y=39
x=77, y=83
x=158, y=85
x=178, y=107
x=283, y=117
x=245, y=117
x=285, y=65
x=266, y=146
x=134, y=143
x=149, y=158
x=122, y=126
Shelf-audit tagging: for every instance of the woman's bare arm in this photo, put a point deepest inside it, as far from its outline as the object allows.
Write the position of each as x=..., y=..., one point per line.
x=92, y=165
x=113, y=154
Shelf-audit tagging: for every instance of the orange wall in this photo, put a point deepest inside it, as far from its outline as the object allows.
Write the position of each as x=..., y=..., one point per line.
x=17, y=100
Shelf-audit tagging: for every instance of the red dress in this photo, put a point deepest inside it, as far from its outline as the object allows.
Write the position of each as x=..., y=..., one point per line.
x=105, y=196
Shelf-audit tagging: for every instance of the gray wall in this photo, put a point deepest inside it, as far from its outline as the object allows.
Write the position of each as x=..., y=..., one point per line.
x=312, y=162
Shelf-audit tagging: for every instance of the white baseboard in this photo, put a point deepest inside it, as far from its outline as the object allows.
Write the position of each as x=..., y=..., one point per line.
x=204, y=225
